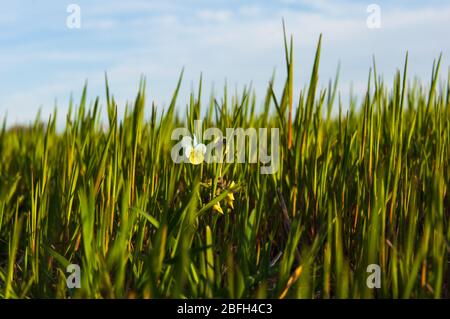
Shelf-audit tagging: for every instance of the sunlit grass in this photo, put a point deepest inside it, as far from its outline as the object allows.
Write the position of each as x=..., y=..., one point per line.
x=366, y=187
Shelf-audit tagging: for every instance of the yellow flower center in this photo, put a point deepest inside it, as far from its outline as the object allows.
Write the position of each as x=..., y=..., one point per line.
x=196, y=157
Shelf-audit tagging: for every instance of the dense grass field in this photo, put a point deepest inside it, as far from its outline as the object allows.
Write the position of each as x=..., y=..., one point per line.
x=368, y=186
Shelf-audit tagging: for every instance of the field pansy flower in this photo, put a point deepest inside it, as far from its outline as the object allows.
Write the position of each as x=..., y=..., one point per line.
x=193, y=150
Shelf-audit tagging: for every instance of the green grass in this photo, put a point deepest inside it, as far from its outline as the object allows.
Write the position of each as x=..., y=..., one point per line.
x=367, y=186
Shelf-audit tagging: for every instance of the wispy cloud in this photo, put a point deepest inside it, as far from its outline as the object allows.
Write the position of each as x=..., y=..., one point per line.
x=240, y=41
x=214, y=15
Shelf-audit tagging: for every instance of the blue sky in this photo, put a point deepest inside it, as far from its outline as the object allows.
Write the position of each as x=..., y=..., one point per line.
x=42, y=61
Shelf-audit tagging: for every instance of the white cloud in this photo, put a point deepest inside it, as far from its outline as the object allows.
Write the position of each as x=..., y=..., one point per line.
x=100, y=24
x=214, y=15
x=250, y=10
x=130, y=6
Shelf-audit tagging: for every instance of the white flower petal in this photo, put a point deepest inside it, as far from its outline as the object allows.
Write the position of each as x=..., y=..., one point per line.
x=187, y=151
x=186, y=141
x=200, y=148
x=195, y=141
